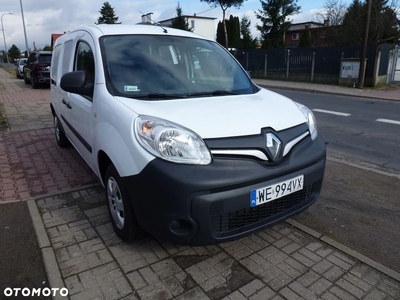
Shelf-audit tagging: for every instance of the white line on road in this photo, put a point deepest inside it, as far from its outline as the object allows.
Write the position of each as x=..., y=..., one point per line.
x=331, y=112
x=388, y=121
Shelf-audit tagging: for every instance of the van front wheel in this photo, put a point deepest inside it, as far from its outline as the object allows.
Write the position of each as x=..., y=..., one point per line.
x=120, y=206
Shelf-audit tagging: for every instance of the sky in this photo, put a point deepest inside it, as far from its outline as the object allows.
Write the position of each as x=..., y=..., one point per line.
x=44, y=17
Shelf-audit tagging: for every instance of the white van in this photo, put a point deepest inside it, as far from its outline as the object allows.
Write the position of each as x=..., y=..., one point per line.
x=187, y=147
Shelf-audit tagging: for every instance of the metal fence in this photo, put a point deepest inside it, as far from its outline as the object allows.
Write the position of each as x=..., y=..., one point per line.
x=321, y=64
x=394, y=66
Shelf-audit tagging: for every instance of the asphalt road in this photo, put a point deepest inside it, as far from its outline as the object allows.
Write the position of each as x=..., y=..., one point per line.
x=349, y=125
x=21, y=259
x=358, y=208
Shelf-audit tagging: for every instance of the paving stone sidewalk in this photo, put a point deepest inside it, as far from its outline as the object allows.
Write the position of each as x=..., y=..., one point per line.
x=282, y=262
x=31, y=163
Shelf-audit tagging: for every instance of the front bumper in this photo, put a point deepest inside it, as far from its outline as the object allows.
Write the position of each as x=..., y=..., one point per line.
x=200, y=205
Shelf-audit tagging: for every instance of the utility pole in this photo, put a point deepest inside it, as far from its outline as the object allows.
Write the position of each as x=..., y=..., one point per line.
x=23, y=24
x=361, y=74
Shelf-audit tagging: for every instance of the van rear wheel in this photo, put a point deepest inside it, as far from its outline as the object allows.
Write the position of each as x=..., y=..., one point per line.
x=61, y=139
x=120, y=206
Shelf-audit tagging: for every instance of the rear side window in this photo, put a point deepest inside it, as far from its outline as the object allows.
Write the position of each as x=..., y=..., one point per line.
x=66, y=58
x=54, y=65
x=44, y=58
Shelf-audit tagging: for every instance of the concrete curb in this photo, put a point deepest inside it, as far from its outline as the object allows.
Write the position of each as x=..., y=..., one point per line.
x=370, y=169
x=49, y=259
x=324, y=91
x=364, y=259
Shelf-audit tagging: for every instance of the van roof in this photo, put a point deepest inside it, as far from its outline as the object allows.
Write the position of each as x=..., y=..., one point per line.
x=115, y=29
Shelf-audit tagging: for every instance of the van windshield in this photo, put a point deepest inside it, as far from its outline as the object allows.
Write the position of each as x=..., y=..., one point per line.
x=167, y=67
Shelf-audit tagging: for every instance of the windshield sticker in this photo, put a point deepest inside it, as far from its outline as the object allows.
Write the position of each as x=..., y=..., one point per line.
x=131, y=88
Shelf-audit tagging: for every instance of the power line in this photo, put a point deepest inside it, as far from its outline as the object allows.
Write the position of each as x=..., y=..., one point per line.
x=204, y=11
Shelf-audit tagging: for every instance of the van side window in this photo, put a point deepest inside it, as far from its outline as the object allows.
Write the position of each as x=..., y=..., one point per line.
x=66, y=60
x=84, y=61
x=54, y=65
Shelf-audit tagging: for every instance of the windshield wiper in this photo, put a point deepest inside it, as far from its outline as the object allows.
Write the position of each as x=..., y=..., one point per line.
x=158, y=96
x=213, y=93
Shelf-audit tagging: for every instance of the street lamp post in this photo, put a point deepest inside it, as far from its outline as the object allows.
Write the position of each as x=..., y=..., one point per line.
x=23, y=24
x=4, y=36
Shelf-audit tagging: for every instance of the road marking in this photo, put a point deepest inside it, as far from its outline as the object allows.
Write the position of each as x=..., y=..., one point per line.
x=331, y=112
x=388, y=121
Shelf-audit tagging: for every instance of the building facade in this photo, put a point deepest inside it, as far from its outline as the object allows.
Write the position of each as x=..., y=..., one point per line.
x=204, y=26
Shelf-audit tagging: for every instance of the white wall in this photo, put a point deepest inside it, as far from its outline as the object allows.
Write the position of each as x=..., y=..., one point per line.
x=204, y=27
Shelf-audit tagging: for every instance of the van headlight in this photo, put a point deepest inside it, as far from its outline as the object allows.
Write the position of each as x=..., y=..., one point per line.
x=311, y=121
x=171, y=141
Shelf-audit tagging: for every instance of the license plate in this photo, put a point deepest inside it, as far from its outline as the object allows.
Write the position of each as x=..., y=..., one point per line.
x=275, y=191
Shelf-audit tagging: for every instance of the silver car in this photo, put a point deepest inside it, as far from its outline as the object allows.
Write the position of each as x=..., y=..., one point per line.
x=19, y=67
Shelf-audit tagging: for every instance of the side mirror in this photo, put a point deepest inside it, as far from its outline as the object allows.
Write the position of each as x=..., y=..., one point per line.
x=75, y=82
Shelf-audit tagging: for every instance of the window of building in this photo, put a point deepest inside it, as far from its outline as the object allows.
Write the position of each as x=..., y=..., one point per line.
x=295, y=36
x=192, y=24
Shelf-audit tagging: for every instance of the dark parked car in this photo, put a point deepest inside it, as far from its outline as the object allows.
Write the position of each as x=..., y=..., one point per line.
x=37, y=68
x=19, y=67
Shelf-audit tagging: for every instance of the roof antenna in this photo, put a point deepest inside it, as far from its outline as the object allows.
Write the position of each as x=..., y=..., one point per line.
x=147, y=17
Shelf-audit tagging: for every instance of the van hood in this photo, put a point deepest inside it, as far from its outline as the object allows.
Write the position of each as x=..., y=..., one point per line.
x=224, y=116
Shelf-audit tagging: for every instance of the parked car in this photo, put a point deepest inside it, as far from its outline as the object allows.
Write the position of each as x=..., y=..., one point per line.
x=37, y=68
x=190, y=150
x=19, y=66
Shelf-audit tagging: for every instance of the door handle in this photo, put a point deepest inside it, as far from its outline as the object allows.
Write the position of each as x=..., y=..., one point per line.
x=66, y=104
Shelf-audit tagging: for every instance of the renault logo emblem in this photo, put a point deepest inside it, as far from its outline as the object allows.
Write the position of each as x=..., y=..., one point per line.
x=273, y=145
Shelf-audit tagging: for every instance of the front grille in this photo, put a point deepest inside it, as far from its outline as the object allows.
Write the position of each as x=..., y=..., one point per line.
x=237, y=219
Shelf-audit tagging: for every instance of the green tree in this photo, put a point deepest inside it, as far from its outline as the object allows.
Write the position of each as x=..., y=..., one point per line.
x=225, y=4
x=246, y=40
x=233, y=29
x=220, y=33
x=47, y=48
x=3, y=56
x=234, y=32
x=14, y=53
x=305, y=39
x=180, y=21
x=383, y=27
x=274, y=17
x=352, y=28
x=107, y=15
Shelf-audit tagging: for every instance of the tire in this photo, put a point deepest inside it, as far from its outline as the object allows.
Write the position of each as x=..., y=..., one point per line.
x=120, y=206
x=26, y=80
x=61, y=139
x=34, y=83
